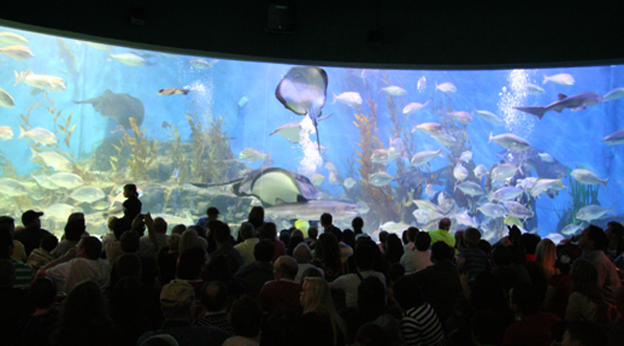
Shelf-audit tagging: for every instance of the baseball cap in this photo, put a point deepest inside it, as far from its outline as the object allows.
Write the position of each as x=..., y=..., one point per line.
x=177, y=293
x=30, y=215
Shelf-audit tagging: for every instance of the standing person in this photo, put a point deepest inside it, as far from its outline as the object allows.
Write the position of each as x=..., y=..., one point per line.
x=212, y=214
x=32, y=233
x=131, y=207
x=358, y=225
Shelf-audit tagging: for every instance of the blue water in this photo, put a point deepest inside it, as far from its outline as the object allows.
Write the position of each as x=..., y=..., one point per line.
x=572, y=137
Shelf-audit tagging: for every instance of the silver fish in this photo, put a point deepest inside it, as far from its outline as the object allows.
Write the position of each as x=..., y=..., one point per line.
x=348, y=183
x=543, y=185
x=424, y=156
x=17, y=52
x=460, y=172
x=507, y=193
x=588, y=177
x=415, y=107
x=492, y=210
x=428, y=206
x=202, y=64
x=88, y=194
x=465, y=219
x=614, y=94
x=311, y=210
x=561, y=79
x=592, y=212
x=350, y=98
x=39, y=135
x=394, y=90
x=490, y=117
x=422, y=84
x=12, y=187
x=504, y=171
x=172, y=91
x=518, y=210
x=533, y=89
x=429, y=128
x=445, y=139
x=446, y=87
x=53, y=159
x=380, y=179
x=6, y=100
x=66, y=180
x=129, y=59
x=470, y=188
x=59, y=211
x=510, y=141
x=615, y=138
x=480, y=171
x=571, y=229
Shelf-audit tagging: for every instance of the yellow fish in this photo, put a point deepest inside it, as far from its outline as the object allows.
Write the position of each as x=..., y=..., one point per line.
x=17, y=52
x=5, y=133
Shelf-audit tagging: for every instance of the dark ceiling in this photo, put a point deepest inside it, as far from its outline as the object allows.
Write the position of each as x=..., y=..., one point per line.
x=417, y=34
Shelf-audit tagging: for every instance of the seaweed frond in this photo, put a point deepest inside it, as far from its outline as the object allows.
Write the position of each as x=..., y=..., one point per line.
x=142, y=149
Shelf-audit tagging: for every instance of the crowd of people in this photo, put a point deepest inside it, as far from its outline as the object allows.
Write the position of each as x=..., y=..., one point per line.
x=203, y=285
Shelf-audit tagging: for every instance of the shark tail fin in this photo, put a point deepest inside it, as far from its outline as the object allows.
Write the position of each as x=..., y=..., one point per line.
x=537, y=111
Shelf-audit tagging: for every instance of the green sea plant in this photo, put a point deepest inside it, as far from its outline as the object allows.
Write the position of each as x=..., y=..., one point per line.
x=143, y=150
x=581, y=195
x=212, y=151
x=7, y=170
x=180, y=161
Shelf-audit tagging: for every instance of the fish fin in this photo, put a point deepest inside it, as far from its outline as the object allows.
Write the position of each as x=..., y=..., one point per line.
x=490, y=139
x=537, y=111
x=334, y=98
x=546, y=79
x=279, y=201
x=186, y=91
x=561, y=96
x=22, y=132
x=580, y=108
x=605, y=182
x=35, y=154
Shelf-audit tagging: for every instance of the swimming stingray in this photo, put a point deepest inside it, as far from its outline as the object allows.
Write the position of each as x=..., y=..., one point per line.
x=272, y=186
x=303, y=90
x=538, y=160
x=120, y=107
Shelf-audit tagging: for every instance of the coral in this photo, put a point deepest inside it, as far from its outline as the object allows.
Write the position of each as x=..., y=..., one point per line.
x=142, y=149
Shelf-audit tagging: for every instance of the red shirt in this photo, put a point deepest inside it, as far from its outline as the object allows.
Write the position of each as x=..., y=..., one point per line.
x=280, y=294
x=531, y=330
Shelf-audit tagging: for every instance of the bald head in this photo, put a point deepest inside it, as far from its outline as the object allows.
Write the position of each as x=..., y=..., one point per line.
x=285, y=267
x=302, y=253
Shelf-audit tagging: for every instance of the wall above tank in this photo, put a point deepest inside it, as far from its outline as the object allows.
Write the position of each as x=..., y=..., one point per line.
x=423, y=34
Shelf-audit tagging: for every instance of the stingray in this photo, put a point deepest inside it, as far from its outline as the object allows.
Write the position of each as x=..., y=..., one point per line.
x=303, y=90
x=120, y=107
x=534, y=159
x=272, y=186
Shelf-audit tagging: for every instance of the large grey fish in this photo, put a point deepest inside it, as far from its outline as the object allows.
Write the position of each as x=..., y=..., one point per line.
x=272, y=184
x=120, y=107
x=303, y=90
x=312, y=210
x=615, y=138
x=531, y=158
x=575, y=102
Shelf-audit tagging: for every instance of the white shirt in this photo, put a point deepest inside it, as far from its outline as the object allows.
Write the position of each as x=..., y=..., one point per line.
x=349, y=284
x=246, y=249
x=414, y=261
x=69, y=274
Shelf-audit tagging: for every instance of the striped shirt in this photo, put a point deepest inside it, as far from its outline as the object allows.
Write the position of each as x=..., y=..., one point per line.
x=23, y=274
x=420, y=327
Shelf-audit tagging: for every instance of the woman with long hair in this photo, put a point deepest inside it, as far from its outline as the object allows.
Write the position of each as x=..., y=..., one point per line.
x=320, y=321
x=545, y=257
x=327, y=256
x=586, y=302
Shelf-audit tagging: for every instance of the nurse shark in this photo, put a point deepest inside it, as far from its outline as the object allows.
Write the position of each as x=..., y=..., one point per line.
x=574, y=102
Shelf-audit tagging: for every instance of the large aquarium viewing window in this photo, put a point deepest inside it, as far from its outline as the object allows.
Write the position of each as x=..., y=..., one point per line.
x=536, y=148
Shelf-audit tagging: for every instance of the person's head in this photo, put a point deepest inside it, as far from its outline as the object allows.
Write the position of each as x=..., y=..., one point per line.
x=395, y=271
x=472, y=236
x=422, y=241
x=445, y=224
x=285, y=267
x=212, y=213
x=160, y=225
x=130, y=190
x=485, y=246
x=371, y=334
x=407, y=292
x=524, y=298
x=383, y=235
x=313, y=232
x=129, y=264
x=411, y=234
x=326, y=220
x=49, y=242
x=246, y=317
x=268, y=231
x=348, y=237
x=246, y=230
x=327, y=246
x=357, y=224
x=6, y=245
x=74, y=229
x=178, y=229
x=214, y=296
x=566, y=255
x=177, y=300
x=130, y=242
x=221, y=233
x=30, y=218
x=487, y=328
x=583, y=334
x=311, y=272
x=584, y=273
x=110, y=224
x=284, y=236
x=371, y=299
x=364, y=257
x=7, y=273
x=546, y=255
x=7, y=224
x=76, y=216
x=189, y=239
x=530, y=242
x=615, y=231
x=302, y=253
x=593, y=238
x=42, y=293
x=315, y=294
x=119, y=227
x=84, y=297
x=440, y=251
x=264, y=250
x=89, y=247
x=173, y=241
x=191, y=263
x=256, y=215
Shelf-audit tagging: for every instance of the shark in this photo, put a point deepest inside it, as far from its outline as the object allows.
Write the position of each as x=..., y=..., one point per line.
x=272, y=185
x=313, y=209
x=575, y=102
x=303, y=90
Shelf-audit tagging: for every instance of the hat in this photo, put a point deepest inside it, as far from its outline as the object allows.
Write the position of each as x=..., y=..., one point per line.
x=212, y=211
x=177, y=293
x=30, y=216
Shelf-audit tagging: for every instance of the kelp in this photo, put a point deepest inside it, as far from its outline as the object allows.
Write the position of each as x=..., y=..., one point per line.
x=581, y=195
x=180, y=161
x=212, y=151
x=143, y=150
x=7, y=169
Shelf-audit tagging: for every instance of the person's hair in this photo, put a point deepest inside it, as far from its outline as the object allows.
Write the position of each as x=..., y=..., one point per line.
x=319, y=300
x=530, y=242
x=49, y=242
x=110, y=224
x=74, y=229
x=212, y=211
x=92, y=247
x=371, y=298
x=221, y=232
x=445, y=224
x=311, y=272
x=472, y=236
x=326, y=219
x=313, y=232
x=7, y=272
x=422, y=241
x=284, y=236
x=219, y=269
x=288, y=266
x=125, y=301
x=487, y=327
x=246, y=316
x=395, y=271
x=132, y=189
x=459, y=239
x=383, y=235
x=302, y=253
x=357, y=223
x=394, y=248
x=130, y=242
x=214, y=296
x=598, y=236
x=505, y=255
x=371, y=334
x=6, y=245
x=188, y=239
x=264, y=250
x=83, y=318
x=190, y=263
x=128, y=264
x=246, y=230
x=42, y=292
x=407, y=292
x=279, y=328
x=173, y=242
x=440, y=251
x=584, y=277
x=160, y=225
x=6, y=223
x=404, y=238
x=256, y=216
x=268, y=231
x=566, y=255
x=364, y=256
x=485, y=246
x=348, y=237
x=178, y=229
x=617, y=229
x=545, y=257
x=526, y=297
x=411, y=233
x=588, y=333
x=119, y=227
x=295, y=240
x=328, y=250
